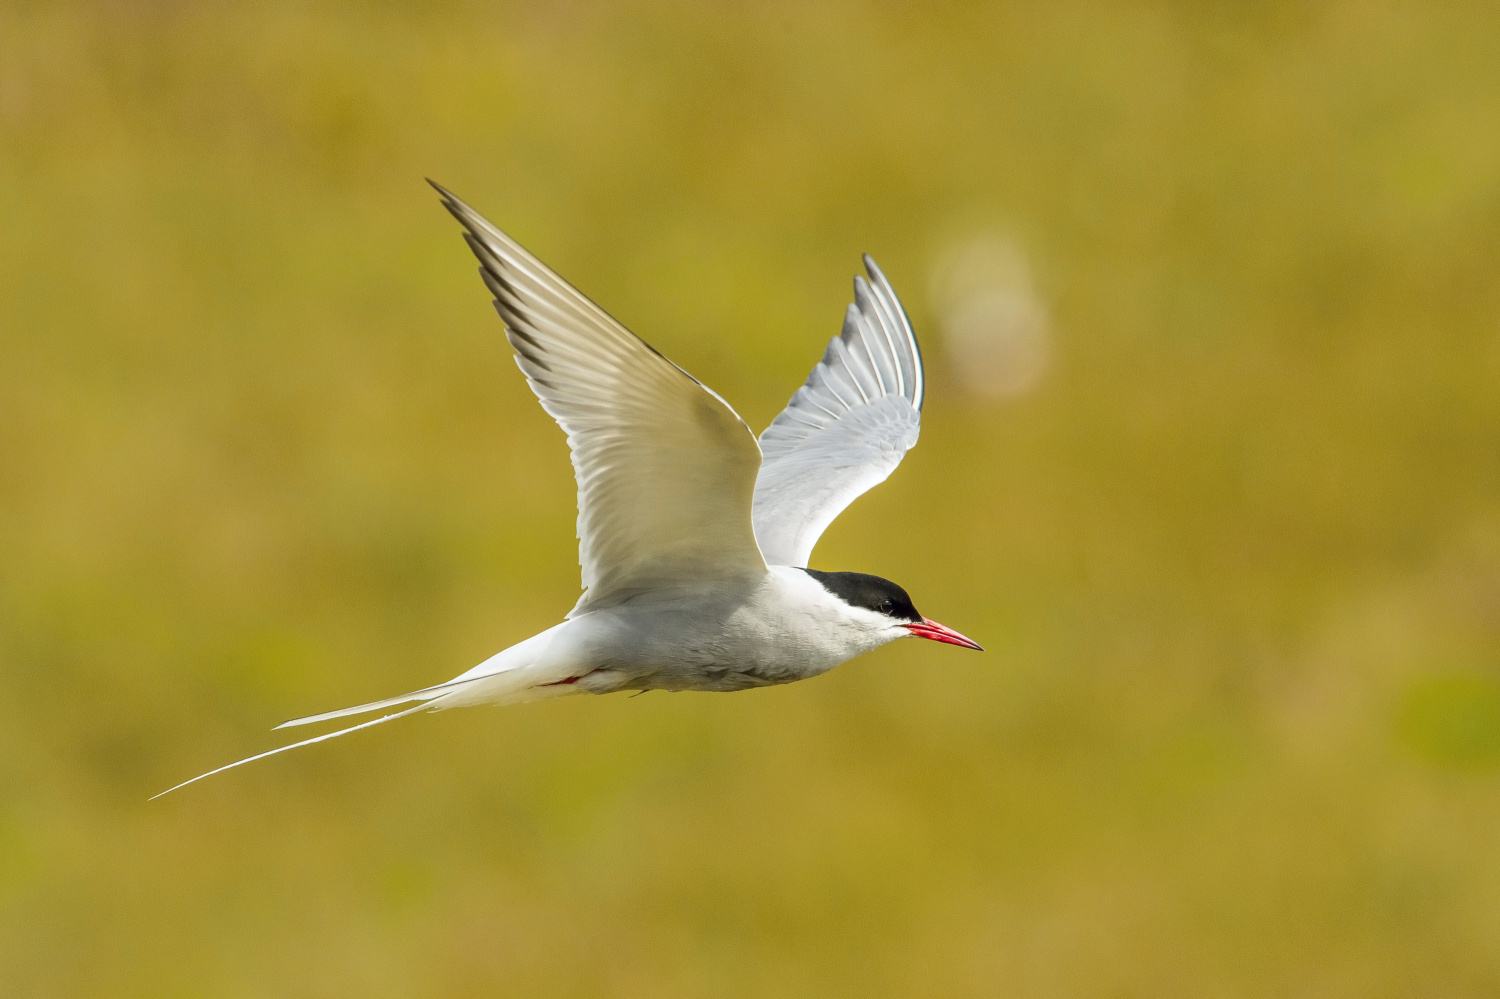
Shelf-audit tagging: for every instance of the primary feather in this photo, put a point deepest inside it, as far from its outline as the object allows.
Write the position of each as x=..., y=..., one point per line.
x=845, y=430
x=666, y=469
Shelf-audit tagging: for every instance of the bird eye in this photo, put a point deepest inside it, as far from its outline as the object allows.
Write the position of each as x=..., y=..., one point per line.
x=887, y=605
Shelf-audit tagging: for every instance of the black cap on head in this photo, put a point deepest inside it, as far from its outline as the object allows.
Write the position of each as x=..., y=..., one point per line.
x=859, y=589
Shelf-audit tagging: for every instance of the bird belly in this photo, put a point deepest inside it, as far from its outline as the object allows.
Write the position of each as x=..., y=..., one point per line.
x=715, y=663
x=755, y=640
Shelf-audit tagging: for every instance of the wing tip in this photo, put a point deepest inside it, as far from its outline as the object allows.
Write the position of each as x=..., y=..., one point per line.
x=884, y=290
x=450, y=200
x=467, y=217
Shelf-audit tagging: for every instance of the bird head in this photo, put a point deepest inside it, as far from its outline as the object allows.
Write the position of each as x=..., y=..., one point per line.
x=889, y=607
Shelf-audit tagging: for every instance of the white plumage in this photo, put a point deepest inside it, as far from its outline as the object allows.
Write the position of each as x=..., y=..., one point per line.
x=693, y=538
x=845, y=430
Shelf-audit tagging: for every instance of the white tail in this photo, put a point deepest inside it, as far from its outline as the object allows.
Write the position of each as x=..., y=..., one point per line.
x=505, y=678
x=425, y=694
x=295, y=745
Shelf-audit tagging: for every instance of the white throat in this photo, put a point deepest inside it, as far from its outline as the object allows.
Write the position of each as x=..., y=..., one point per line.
x=830, y=629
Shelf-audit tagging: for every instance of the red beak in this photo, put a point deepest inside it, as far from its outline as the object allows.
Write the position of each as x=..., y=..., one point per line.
x=939, y=633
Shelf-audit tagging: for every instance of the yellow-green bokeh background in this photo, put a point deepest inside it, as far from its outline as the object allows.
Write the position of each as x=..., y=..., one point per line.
x=1236, y=557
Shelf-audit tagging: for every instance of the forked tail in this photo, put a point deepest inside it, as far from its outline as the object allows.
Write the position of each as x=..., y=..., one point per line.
x=510, y=677
x=296, y=745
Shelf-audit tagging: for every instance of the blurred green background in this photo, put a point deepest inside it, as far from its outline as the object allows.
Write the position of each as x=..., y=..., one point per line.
x=1232, y=539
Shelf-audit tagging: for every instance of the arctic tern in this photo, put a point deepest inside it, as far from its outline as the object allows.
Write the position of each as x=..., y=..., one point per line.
x=693, y=537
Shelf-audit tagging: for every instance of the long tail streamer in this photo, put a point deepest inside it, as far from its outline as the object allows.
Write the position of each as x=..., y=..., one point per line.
x=305, y=742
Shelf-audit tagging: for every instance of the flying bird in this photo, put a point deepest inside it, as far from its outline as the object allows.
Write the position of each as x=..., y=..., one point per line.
x=693, y=536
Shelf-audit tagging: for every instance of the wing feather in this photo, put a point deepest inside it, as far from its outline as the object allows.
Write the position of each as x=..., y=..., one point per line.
x=666, y=469
x=845, y=430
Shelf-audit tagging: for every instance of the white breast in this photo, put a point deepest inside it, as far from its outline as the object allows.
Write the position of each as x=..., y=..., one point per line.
x=794, y=627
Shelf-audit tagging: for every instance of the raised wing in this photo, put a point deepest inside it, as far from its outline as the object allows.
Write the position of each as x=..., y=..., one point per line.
x=666, y=469
x=845, y=430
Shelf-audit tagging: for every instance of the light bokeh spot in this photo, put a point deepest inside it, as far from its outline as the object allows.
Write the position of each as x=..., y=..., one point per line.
x=995, y=331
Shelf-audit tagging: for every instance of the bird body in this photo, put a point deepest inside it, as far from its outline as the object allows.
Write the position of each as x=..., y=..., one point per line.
x=694, y=536
x=786, y=627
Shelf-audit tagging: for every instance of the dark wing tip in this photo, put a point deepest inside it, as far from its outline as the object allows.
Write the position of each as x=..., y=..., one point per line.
x=455, y=205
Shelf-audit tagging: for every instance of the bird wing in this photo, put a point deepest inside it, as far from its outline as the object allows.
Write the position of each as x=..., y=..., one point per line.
x=845, y=430
x=666, y=469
